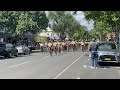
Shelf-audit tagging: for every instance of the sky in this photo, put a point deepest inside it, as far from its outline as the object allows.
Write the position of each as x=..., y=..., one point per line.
x=80, y=17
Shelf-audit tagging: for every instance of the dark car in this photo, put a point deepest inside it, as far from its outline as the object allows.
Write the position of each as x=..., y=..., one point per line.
x=108, y=52
x=8, y=50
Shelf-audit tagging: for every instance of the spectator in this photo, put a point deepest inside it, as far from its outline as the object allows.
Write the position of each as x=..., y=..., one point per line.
x=94, y=54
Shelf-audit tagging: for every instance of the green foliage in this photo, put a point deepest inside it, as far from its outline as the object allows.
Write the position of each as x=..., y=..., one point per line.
x=63, y=22
x=21, y=22
x=40, y=39
x=76, y=36
x=110, y=18
x=105, y=21
x=93, y=34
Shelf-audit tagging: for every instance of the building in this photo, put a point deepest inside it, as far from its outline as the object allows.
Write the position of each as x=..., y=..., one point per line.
x=49, y=33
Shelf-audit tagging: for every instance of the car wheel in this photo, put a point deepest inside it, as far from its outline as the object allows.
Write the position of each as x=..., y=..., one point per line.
x=29, y=52
x=9, y=54
x=16, y=54
x=5, y=56
x=25, y=53
x=19, y=54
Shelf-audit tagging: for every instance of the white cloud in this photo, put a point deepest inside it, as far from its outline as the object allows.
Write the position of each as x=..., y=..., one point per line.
x=80, y=17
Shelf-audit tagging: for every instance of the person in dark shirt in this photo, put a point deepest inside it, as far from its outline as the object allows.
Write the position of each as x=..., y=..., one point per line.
x=94, y=54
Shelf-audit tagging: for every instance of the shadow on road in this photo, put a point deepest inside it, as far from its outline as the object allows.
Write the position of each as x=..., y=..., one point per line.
x=2, y=58
x=109, y=65
x=36, y=51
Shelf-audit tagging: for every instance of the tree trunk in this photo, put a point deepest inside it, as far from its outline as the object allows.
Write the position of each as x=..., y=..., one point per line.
x=100, y=36
x=116, y=33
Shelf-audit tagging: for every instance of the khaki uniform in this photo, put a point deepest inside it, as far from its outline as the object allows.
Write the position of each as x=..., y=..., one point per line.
x=49, y=44
x=54, y=44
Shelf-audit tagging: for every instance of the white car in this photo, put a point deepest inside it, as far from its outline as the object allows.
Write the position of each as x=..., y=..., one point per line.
x=22, y=49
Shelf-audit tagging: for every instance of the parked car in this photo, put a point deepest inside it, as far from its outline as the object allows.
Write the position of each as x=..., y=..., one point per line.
x=31, y=48
x=8, y=50
x=22, y=49
x=34, y=47
x=108, y=52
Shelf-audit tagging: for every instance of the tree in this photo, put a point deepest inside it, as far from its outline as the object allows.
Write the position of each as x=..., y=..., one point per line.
x=76, y=36
x=40, y=39
x=21, y=22
x=31, y=21
x=93, y=34
x=81, y=33
x=109, y=18
x=102, y=30
x=41, y=19
x=62, y=22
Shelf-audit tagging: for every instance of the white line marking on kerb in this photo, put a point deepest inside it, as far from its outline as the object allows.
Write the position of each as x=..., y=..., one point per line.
x=68, y=67
x=17, y=65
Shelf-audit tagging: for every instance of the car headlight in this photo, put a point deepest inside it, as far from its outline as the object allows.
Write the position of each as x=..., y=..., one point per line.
x=117, y=54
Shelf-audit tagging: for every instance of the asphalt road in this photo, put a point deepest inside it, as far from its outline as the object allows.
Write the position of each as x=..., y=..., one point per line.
x=68, y=65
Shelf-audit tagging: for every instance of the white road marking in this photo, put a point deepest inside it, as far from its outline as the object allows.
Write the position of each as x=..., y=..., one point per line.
x=85, y=66
x=23, y=62
x=46, y=56
x=17, y=65
x=118, y=67
x=78, y=78
x=68, y=66
x=118, y=70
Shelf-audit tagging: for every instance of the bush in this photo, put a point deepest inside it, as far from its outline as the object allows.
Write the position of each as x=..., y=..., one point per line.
x=40, y=39
x=76, y=36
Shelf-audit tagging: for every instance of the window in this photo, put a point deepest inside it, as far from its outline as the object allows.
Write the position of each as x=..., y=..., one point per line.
x=2, y=45
x=107, y=46
x=9, y=45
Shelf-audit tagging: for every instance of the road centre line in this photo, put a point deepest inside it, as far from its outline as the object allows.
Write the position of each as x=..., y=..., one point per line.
x=69, y=66
x=23, y=63
x=18, y=64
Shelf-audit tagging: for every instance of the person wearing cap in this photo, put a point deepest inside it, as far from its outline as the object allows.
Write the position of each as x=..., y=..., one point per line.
x=94, y=54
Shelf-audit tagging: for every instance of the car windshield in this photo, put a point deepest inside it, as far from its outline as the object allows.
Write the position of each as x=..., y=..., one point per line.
x=107, y=46
x=2, y=45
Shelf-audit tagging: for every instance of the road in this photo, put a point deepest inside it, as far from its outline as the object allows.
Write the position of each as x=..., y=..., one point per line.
x=67, y=65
